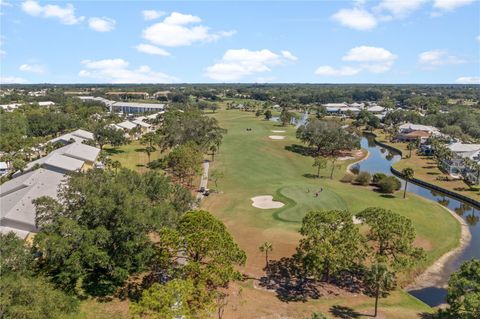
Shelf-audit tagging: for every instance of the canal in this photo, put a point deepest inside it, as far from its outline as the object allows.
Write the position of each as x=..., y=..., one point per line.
x=380, y=160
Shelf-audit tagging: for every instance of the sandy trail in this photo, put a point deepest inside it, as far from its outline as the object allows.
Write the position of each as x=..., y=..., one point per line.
x=276, y=137
x=265, y=202
x=278, y=131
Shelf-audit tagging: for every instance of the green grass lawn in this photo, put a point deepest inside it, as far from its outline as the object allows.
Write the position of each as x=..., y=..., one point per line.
x=132, y=155
x=256, y=165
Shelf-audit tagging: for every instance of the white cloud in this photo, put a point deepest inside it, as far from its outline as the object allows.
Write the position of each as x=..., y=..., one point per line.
x=468, y=80
x=478, y=38
x=326, y=70
x=366, y=54
x=65, y=14
x=438, y=57
x=449, y=5
x=102, y=24
x=371, y=59
x=152, y=14
x=12, y=80
x=289, y=56
x=399, y=8
x=151, y=49
x=356, y=18
x=237, y=64
x=33, y=68
x=181, y=30
x=374, y=59
x=117, y=71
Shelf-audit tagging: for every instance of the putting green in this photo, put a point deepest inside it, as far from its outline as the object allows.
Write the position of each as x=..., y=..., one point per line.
x=302, y=198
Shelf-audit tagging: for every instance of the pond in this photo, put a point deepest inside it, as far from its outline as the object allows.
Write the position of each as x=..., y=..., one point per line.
x=380, y=160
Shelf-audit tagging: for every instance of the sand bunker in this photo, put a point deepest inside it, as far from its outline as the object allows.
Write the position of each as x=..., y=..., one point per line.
x=345, y=158
x=276, y=137
x=265, y=202
x=276, y=131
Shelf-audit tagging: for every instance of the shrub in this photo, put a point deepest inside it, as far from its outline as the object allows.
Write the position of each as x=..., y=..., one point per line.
x=347, y=178
x=377, y=177
x=363, y=178
x=355, y=169
x=389, y=185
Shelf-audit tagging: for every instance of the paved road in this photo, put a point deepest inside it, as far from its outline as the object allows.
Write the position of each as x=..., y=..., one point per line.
x=204, y=179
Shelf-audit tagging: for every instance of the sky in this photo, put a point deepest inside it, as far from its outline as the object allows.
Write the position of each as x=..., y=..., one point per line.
x=384, y=41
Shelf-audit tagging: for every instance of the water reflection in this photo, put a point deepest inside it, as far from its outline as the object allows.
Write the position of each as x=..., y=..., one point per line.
x=380, y=160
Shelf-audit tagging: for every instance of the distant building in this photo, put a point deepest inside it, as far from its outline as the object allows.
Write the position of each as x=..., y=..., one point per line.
x=44, y=103
x=129, y=95
x=130, y=107
x=10, y=107
x=411, y=132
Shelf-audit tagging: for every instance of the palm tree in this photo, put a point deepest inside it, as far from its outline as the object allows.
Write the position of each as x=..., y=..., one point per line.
x=116, y=165
x=149, y=150
x=411, y=146
x=265, y=248
x=379, y=280
x=407, y=175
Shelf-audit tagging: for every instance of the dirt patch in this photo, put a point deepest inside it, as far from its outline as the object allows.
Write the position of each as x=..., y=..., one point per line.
x=276, y=137
x=265, y=202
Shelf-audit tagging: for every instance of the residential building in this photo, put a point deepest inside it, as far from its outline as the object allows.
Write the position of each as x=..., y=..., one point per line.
x=42, y=177
x=412, y=132
x=77, y=136
x=455, y=166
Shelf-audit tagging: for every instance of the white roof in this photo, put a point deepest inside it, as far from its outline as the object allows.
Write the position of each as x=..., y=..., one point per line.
x=141, y=123
x=78, y=136
x=81, y=151
x=417, y=127
x=46, y=103
x=337, y=105
x=463, y=148
x=127, y=125
x=17, y=210
x=76, y=151
x=154, y=116
x=64, y=162
x=356, y=104
x=3, y=165
x=139, y=105
x=376, y=108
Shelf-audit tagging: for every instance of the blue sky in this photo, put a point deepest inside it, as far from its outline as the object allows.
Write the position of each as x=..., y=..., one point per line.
x=385, y=41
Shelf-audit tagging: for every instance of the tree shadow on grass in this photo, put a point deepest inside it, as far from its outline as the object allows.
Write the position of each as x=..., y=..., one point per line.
x=300, y=149
x=112, y=151
x=284, y=276
x=388, y=196
x=288, y=279
x=140, y=150
x=344, y=312
x=312, y=176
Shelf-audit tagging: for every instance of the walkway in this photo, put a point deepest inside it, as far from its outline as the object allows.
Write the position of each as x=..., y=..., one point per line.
x=203, y=180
